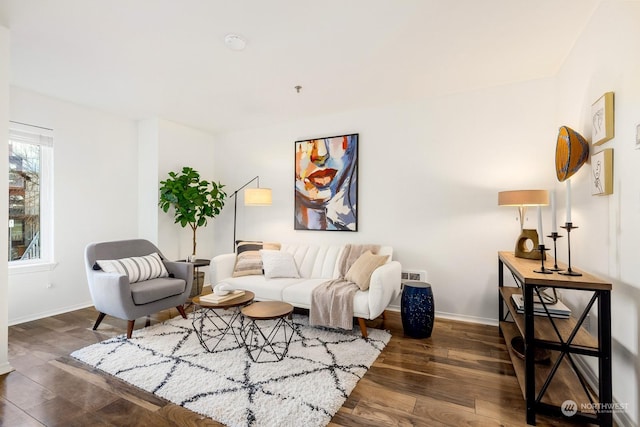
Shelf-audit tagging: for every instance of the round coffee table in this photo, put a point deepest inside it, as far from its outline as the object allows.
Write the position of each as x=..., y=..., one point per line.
x=267, y=339
x=208, y=314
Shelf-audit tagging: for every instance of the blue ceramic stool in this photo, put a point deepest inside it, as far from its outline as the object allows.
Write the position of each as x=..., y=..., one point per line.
x=417, y=309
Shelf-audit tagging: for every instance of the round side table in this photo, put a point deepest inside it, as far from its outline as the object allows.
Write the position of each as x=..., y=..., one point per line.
x=210, y=327
x=417, y=309
x=268, y=340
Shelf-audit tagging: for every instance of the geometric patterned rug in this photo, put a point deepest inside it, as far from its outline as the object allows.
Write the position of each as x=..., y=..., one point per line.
x=306, y=388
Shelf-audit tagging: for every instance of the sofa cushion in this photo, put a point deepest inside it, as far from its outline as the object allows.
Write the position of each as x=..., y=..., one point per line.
x=265, y=289
x=315, y=261
x=156, y=289
x=137, y=268
x=278, y=264
x=248, y=258
x=361, y=270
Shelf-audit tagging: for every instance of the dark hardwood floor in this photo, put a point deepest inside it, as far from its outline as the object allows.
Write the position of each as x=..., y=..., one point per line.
x=461, y=376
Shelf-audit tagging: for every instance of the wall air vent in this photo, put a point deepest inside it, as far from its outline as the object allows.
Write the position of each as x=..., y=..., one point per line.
x=414, y=276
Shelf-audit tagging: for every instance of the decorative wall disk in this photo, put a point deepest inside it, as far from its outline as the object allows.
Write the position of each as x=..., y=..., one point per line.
x=572, y=151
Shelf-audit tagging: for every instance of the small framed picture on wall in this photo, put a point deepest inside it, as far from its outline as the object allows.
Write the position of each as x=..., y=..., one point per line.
x=602, y=173
x=602, y=129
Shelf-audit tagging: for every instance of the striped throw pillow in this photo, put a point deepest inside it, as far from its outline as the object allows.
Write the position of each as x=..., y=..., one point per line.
x=248, y=258
x=137, y=268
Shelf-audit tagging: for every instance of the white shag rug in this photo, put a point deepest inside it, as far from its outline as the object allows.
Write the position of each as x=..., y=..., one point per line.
x=306, y=388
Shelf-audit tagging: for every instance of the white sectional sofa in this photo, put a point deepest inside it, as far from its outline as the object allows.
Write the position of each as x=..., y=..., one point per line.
x=316, y=264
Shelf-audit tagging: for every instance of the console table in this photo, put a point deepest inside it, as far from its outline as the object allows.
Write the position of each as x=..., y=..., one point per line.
x=558, y=388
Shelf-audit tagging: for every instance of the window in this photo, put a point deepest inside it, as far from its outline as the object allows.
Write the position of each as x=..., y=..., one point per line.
x=30, y=185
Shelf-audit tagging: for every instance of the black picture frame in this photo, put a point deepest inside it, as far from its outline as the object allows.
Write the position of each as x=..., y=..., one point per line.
x=326, y=183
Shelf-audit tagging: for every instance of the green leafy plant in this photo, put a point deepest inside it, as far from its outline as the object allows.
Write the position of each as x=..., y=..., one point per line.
x=193, y=200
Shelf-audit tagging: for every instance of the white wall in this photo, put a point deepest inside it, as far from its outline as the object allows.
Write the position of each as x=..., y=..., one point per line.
x=429, y=174
x=95, y=198
x=4, y=185
x=605, y=58
x=148, y=180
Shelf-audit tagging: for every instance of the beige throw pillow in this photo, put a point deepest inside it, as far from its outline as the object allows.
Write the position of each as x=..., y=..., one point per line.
x=361, y=270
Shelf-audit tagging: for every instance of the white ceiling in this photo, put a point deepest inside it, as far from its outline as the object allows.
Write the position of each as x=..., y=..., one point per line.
x=167, y=58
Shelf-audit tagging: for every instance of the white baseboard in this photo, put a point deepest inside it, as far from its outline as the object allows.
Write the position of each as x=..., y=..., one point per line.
x=5, y=368
x=458, y=317
x=49, y=313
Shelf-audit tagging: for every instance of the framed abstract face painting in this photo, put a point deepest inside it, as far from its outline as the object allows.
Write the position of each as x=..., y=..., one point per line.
x=326, y=183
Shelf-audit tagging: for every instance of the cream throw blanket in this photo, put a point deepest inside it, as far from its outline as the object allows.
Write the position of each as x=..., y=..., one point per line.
x=332, y=301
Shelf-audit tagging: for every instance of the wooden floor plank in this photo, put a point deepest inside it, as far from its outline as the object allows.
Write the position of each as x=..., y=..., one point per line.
x=461, y=375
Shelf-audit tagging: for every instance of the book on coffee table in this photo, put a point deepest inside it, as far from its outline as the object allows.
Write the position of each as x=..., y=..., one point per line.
x=217, y=299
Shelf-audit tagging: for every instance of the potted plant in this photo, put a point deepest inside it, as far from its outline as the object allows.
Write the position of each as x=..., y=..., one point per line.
x=193, y=200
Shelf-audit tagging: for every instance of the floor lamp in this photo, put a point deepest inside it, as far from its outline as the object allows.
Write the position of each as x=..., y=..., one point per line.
x=252, y=197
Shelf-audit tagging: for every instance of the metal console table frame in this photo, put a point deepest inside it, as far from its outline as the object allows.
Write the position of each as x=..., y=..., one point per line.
x=545, y=332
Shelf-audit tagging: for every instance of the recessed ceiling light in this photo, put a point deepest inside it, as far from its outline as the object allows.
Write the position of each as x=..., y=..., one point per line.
x=235, y=42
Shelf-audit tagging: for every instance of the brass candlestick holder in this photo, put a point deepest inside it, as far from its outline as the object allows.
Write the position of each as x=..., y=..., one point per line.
x=569, y=226
x=555, y=236
x=542, y=270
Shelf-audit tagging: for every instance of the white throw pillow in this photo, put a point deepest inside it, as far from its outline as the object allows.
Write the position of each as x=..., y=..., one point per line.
x=137, y=268
x=278, y=264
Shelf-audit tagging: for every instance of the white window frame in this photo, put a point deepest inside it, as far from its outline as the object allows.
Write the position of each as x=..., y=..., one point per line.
x=43, y=137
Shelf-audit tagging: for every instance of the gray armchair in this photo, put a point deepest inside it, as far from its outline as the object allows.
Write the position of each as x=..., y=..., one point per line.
x=113, y=294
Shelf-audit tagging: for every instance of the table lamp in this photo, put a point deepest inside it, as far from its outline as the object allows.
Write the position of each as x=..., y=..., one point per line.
x=523, y=199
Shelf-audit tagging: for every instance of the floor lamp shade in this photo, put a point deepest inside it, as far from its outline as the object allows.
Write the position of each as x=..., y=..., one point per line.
x=252, y=197
x=257, y=197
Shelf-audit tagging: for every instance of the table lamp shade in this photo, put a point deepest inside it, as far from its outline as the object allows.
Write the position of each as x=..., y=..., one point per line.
x=523, y=198
x=257, y=197
x=572, y=151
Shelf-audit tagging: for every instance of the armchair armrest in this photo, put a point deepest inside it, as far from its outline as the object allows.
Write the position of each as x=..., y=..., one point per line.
x=384, y=287
x=221, y=267
x=111, y=293
x=181, y=270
